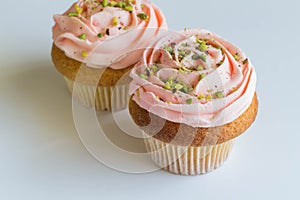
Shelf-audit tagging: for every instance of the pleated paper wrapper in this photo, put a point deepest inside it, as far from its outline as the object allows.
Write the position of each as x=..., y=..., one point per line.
x=99, y=97
x=187, y=160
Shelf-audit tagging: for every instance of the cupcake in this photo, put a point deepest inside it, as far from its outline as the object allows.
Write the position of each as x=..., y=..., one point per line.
x=192, y=94
x=102, y=37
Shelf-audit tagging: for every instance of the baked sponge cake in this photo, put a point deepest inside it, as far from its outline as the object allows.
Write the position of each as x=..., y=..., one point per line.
x=192, y=94
x=96, y=42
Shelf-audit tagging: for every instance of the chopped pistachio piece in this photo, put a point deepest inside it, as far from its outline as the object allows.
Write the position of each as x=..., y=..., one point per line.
x=202, y=45
x=200, y=68
x=84, y=54
x=178, y=86
x=195, y=57
x=168, y=86
x=201, y=96
x=209, y=97
x=181, y=54
x=105, y=3
x=202, y=76
x=143, y=16
x=143, y=76
x=154, y=68
x=219, y=94
x=115, y=21
x=82, y=36
x=184, y=89
x=220, y=63
x=189, y=101
x=100, y=35
x=73, y=14
x=143, y=6
x=203, y=57
x=128, y=8
x=121, y=4
x=245, y=61
x=112, y=3
x=168, y=49
x=236, y=56
x=78, y=9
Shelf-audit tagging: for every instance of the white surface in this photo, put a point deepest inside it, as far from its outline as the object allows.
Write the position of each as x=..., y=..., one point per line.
x=43, y=158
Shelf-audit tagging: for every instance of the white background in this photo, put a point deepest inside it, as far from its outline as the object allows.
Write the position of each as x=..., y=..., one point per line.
x=41, y=156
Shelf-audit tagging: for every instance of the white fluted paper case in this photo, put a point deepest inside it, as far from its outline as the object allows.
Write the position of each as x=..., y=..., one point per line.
x=105, y=98
x=187, y=160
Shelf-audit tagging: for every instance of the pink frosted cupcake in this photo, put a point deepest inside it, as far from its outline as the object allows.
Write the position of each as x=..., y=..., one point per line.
x=94, y=34
x=192, y=95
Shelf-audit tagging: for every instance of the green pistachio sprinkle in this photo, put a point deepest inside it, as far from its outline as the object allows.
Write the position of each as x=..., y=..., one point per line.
x=168, y=86
x=203, y=57
x=184, y=89
x=209, y=97
x=100, y=35
x=143, y=76
x=78, y=9
x=245, y=61
x=115, y=21
x=125, y=28
x=112, y=4
x=143, y=6
x=84, y=54
x=82, y=36
x=181, y=54
x=220, y=63
x=168, y=49
x=143, y=16
x=219, y=94
x=236, y=56
x=73, y=14
x=121, y=4
x=200, y=68
x=189, y=101
x=201, y=96
x=128, y=8
x=203, y=46
x=154, y=68
x=178, y=86
x=202, y=76
x=105, y=3
x=195, y=57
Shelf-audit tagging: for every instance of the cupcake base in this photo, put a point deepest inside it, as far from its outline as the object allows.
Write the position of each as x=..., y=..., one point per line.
x=101, y=98
x=187, y=160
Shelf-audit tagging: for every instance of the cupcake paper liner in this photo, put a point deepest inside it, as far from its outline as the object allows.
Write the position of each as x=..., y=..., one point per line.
x=106, y=98
x=187, y=160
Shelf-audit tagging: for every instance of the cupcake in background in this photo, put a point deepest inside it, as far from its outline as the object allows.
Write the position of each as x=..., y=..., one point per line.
x=103, y=37
x=193, y=93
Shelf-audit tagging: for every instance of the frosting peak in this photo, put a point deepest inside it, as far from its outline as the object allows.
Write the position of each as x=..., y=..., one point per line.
x=99, y=32
x=194, y=77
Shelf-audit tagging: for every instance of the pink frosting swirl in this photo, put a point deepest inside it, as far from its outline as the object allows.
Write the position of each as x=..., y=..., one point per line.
x=99, y=32
x=194, y=77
